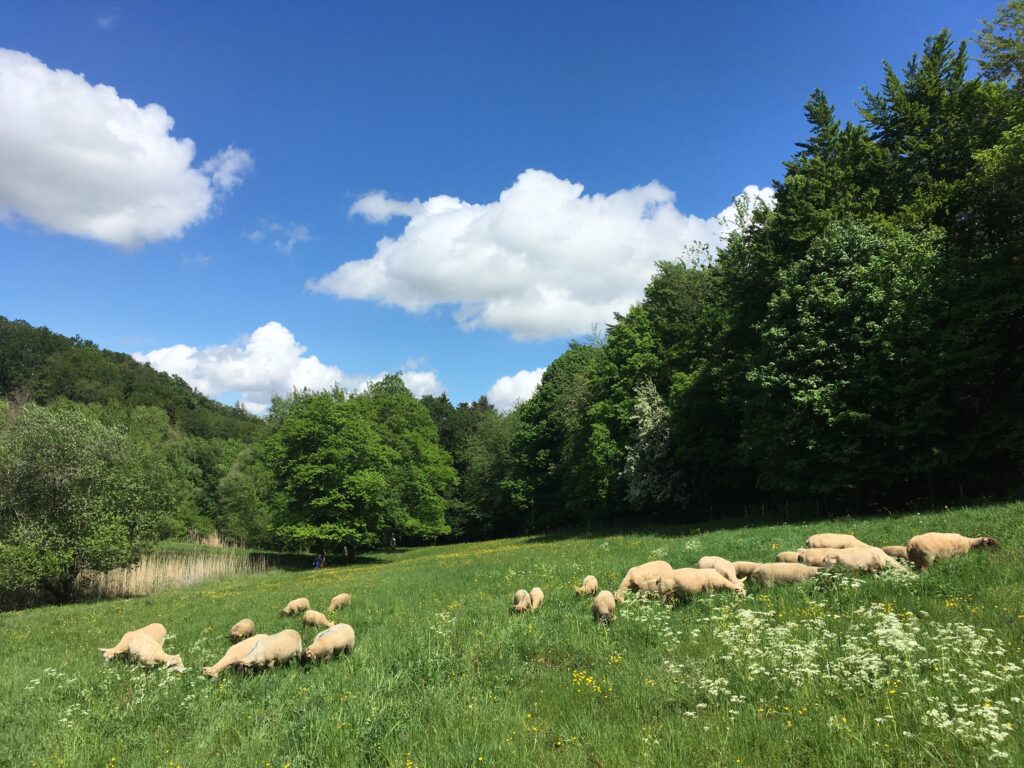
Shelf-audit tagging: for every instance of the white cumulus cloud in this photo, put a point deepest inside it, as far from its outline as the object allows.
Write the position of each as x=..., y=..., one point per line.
x=509, y=390
x=77, y=158
x=269, y=361
x=544, y=260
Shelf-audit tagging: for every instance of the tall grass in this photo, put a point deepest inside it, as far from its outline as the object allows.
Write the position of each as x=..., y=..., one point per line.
x=158, y=571
x=851, y=671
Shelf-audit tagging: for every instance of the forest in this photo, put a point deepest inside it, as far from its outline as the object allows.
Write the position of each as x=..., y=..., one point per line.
x=856, y=346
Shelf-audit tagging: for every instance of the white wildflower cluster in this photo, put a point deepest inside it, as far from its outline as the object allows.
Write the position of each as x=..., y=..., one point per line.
x=960, y=673
x=692, y=545
x=659, y=554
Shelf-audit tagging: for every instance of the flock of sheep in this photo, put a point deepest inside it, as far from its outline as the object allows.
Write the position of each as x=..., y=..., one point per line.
x=822, y=550
x=249, y=650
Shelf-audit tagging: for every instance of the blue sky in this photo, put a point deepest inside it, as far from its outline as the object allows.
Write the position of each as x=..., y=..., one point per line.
x=298, y=112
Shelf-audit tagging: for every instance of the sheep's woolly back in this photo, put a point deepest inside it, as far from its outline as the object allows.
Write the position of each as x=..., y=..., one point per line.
x=603, y=607
x=589, y=586
x=924, y=549
x=833, y=541
x=770, y=574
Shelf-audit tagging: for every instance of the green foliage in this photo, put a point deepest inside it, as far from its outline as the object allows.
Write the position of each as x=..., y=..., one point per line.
x=873, y=671
x=356, y=471
x=74, y=495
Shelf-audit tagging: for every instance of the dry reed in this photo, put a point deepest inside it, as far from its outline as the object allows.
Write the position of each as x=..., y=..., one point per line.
x=165, y=570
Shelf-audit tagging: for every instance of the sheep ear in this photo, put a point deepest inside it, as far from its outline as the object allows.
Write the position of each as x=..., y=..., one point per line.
x=742, y=580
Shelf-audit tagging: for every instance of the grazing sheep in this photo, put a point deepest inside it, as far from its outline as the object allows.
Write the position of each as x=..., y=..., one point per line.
x=243, y=629
x=720, y=564
x=295, y=606
x=148, y=652
x=155, y=631
x=603, y=607
x=867, y=559
x=926, y=548
x=340, y=638
x=313, y=618
x=234, y=655
x=536, y=598
x=816, y=557
x=771, y=574
x=744, y=568
x=833, y=541
x=787, y=556
x=644, y=578
x=895, y=551
x=279, y=648
x=344, y=600
x=521, y=601
x=684, y=583
x=589, y=586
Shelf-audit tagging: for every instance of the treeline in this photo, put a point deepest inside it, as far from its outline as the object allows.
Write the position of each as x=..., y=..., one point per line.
x=859, y=344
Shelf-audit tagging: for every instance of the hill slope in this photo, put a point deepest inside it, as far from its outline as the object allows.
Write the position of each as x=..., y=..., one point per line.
x=47, y=365
x=862, y=672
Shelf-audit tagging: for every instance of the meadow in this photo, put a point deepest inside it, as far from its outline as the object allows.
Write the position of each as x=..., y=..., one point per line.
x=846, y=671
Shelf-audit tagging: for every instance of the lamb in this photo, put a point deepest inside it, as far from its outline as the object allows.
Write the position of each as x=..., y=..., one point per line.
x=684, y=583
x=589, y=586
x=234, y=655
x=148, y=652
x=867, y=559
x=894, y=551
x=155, y=631
x=771, y=574
x=720, y=564
x=644, y=578
x=279, y=648
x=603, y=607
x=536, y=598
x=833, y=541
x=146, y=646
x=926, y=548
x=242, y=629
x=521, y=601
x=787, y=556
x=344, y=600
x=259, y=651
x=340, y=638
x=313, y=618
x=295, y=606
x=816, y=557
x=744, y=568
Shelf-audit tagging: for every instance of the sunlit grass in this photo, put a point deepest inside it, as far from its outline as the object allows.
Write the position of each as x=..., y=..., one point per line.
x=851, y=671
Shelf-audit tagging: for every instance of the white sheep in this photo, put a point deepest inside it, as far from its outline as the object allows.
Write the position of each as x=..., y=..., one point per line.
x=536, y=598
x=521, y=601
x=771, y=574
x=603, y=607
x=242, y=629
x=817, y=556
x=644, y=578
x=926, y=548
x=279, y=648
x=295, y=606
x=146, y=646
x=344, y=600
x=867, y=559
x=720, y=564
x=589, y=586
x=787, y=556
x=234, y=655
x=896, y=551
x=340, y=638
x=684, y=583
x=745, y=567
x=313, y=618
x=833, y=541
x=155, y=631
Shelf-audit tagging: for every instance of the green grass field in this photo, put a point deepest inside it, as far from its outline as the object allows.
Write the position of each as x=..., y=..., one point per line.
x=848, y=671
